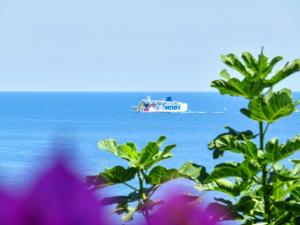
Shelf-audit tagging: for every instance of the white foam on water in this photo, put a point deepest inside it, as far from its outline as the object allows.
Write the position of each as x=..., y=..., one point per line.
x=218, y=112
x=195, y=112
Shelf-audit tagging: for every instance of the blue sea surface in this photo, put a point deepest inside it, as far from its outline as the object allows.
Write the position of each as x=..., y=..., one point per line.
x=33, y=126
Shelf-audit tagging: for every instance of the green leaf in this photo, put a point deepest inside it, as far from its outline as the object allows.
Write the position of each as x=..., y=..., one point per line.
x=289, y=206
x=127, y=151
x=285, y=72
x=247, y=169
x=295, y=161
x=240, y=135
x=161, y=140
x=230, y=143
x=247, y=88
x=193, y=171
x=225, y=74
x=151, y=154
x=270, y=108
x=283, y=218
x=118, y=174
x=250, y=167
x=147, y=154
x=295, y=193
x=262, y=63
x=273, y=150
x=167, y=150
x=276, y=152
x=279, y=191
x=250, y=62
x=162, y=155
x=225, y=170
x=261, y=68
x=159, y=175
x=245, y=204
x=234, y=141
x=270, y=67
x=296, y=169
x=233, y=62
x=221, y=185
x=284, y=174
x=290, y=147
x=109, y=145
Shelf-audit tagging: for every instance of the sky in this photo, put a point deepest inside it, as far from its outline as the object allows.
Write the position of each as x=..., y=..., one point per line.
x=138, y=45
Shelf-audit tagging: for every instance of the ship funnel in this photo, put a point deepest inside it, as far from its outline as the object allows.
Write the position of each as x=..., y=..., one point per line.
x=168, y=99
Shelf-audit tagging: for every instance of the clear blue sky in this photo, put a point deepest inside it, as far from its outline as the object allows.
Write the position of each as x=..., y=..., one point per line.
x=137, y=45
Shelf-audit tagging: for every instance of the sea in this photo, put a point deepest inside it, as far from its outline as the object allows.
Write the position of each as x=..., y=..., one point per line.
x=36, y=127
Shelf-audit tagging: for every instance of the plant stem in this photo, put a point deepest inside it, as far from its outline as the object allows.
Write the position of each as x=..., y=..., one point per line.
x=142, y=195
x=264, y=175
x=130, y=186
x=266, y=129
x=141, y=190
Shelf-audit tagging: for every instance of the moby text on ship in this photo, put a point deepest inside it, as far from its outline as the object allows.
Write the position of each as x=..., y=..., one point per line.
x=164, y=105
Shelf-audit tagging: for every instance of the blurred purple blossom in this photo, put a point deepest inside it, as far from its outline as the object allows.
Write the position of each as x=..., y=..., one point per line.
x=57, y=198
x=180, y=210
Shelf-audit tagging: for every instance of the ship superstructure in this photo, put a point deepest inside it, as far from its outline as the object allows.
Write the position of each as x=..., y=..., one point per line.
x=164, y=105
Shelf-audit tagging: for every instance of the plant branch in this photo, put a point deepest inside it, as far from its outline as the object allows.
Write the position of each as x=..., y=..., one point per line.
x=266, y=128
x=143, y=197
x=130, y=186
x=141, y=190
x=154, y=188
x=264, y=175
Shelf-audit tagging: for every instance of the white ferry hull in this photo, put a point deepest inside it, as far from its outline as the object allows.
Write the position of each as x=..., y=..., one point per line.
x=168, y=106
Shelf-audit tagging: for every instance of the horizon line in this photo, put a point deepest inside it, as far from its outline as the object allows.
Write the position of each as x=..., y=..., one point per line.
x=22, y=91
x=212, y=91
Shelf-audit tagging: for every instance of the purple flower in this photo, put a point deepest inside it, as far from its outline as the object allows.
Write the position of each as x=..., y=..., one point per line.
x=179, y=210
x=10, y=210
x=57, y=198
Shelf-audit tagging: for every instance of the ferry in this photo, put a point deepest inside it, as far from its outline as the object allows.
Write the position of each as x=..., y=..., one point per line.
x=164, y=105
